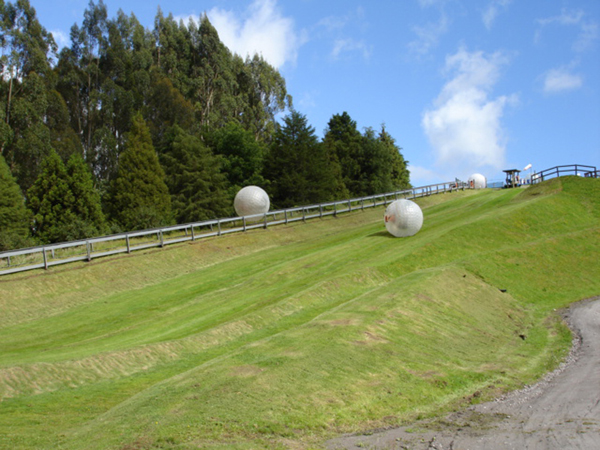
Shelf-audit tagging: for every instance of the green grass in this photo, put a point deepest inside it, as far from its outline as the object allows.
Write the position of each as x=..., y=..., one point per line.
x=282, y=338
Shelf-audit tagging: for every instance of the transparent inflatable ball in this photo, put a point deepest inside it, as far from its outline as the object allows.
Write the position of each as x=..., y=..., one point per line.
x=403, y=218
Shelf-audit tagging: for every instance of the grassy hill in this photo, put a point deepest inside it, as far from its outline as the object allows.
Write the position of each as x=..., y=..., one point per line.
x=282, y=338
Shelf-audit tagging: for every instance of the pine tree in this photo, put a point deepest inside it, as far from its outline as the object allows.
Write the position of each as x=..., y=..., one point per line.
x=15, y=218
x=86, y=200
x=344, y=140
x=193, y=174
x=139, y=197
x=299, y=167
x=50, y=200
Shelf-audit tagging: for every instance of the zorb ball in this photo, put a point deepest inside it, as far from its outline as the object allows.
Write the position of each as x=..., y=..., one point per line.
x=478, y=181
x=403, y=218
x=251, y=200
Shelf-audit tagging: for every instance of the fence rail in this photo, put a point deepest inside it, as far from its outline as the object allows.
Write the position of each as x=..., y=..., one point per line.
x=46, y=256
x=560, y=171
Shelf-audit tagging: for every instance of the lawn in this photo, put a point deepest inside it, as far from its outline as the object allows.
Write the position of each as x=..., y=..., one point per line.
x=284, y=337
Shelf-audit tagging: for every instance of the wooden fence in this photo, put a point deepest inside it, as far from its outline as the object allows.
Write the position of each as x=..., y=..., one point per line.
x=561, y=171
x=46, y=256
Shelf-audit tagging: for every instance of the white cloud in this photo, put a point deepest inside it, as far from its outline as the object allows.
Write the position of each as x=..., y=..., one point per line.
x=421, y=176
x=464, y=125
x=263, y=30
x=566, y=17
x=559, y=80
x=428, y=36
x=588, y=29
x=491, y=12
x=588, y=34
x=61, y=38
x=349, y=45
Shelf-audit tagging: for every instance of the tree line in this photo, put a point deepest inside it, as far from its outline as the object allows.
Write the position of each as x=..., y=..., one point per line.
x=130, y=128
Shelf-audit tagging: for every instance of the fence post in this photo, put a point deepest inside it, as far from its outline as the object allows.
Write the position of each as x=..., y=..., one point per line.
x=265, y=221
x=334, y=209
x=320, y=211
x=219, y=227
x=162, y=242
x=89, y=252
x=45, y=258
x=285, y=216
x=8, y=261
x=128, y=245
x=192, y=231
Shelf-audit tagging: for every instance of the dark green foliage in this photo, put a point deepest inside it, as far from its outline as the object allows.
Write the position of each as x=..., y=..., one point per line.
x=15, y=218
x=139, y=197
x=179, y=76
x=242, y=155
x=299, y=167
x=64, y=202
x=86, y=205
x=371, y=164
x=344, y=140
x=50, y=199
x=193, y=175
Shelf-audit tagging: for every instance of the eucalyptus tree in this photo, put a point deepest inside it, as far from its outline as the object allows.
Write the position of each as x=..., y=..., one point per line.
x=26, y=48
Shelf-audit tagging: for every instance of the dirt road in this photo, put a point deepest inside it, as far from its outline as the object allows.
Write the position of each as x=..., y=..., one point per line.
x=560, y=412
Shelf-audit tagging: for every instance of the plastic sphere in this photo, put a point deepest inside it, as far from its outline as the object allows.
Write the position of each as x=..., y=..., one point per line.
x=403, y=218
x=478, y=181
x=251, y=200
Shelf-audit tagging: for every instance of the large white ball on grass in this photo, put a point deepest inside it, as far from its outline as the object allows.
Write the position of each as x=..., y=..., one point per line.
x=478, y=180
x=251, y=200
x=403, y=218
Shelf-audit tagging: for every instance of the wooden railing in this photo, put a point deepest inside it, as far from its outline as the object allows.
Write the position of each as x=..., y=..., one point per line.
x=561, y=171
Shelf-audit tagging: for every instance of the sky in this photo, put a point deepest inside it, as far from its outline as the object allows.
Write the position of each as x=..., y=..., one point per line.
x=463, y=86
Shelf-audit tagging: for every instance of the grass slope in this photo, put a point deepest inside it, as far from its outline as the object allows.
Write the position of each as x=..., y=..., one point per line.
x=281, y=338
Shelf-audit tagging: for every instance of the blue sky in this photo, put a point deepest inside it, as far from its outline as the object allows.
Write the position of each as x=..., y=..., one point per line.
x=463, y=86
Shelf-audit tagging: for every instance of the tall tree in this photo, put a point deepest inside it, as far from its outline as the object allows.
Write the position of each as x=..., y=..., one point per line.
x=299, y=167
x=50, y=200
x=344, y=140
x=243, y=155
x=139, y=197
x=400, y=174
x=26, y=48
x=193, y=174
x=86, y=200
x=15, y=218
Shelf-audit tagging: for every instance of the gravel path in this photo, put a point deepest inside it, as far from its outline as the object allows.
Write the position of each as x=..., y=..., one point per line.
x=560, y=412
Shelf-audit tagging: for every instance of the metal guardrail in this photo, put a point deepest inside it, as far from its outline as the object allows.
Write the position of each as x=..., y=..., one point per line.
x=46, y=256
x=560, y=171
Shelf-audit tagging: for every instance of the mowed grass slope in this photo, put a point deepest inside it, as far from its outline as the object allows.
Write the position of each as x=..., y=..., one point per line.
x=282, y=338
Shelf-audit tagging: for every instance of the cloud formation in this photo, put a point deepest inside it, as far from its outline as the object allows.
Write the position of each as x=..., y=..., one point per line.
x=559, y=80
x=492, y=10
x=464, y=125
x=428, y=36
x=262, y=30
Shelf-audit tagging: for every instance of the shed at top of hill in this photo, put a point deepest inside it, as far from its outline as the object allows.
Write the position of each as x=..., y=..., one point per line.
x=512, y=178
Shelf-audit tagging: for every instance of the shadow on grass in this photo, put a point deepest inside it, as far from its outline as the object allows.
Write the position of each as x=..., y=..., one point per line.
x=382, y=234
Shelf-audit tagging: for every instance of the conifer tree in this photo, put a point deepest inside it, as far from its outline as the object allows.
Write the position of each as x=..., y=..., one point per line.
x=86, y=200
x=193, y=174
x=139, y=197
x=50, y=200
x=344, y=140
x=299, y=167
x=15, y=218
